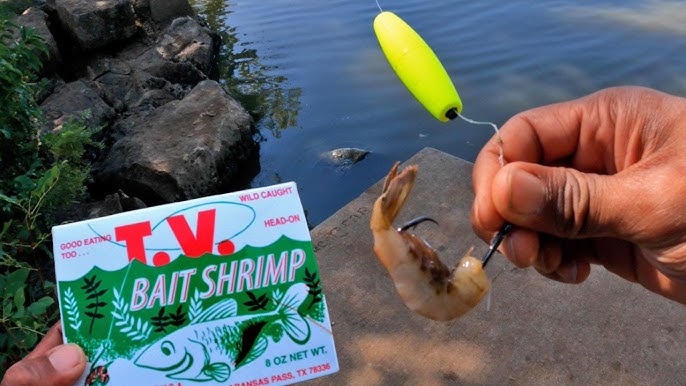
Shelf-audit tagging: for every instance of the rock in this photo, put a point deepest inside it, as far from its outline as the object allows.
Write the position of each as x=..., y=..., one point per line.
x=187, y=41
x=96, y=24
x=184, y=54
x=142, y=9
x=129, y=89
x=182, y=150
x=113, y=204
x=163, y=11
x=37, y=20
x=141, y=68
x=71, y=101
x=345, y=157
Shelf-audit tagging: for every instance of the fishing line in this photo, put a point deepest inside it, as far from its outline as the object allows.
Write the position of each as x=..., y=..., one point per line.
x=499, y=141
x=422, y=72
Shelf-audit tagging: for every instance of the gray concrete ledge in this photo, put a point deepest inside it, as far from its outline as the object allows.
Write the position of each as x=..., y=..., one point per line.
x=605, y=331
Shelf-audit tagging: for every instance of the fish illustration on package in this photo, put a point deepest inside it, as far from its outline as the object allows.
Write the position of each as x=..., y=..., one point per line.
x=218, y=341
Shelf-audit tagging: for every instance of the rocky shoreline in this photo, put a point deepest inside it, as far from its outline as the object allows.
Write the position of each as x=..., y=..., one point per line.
x=144, y=71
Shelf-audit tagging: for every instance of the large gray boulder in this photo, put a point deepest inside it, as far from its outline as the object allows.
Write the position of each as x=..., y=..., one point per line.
x=96, y=24
x=128, y=89
x=184, y=54
x=183, y=149
x=143, y=77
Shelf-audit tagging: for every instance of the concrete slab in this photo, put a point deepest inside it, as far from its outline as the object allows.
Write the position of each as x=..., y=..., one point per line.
x=604, y=331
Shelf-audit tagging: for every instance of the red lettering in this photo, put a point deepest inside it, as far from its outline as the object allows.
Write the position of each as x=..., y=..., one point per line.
x=194, y=245
x=132, y=235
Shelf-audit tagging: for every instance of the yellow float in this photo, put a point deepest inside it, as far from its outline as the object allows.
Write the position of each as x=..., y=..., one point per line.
x=417, y=66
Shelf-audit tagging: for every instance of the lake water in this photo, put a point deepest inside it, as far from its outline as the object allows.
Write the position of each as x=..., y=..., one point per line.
x=322, y=82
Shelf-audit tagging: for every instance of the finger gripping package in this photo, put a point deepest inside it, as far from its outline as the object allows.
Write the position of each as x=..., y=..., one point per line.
x=221, y=290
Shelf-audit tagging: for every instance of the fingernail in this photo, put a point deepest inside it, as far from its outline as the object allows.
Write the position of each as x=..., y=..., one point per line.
x=509, y=249
x=477, y=214
x=527, y=193
x=569, y=272
x=66, y=357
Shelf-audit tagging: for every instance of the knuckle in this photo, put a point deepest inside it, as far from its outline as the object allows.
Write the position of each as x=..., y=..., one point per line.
x=17, y=375
x=572, y=204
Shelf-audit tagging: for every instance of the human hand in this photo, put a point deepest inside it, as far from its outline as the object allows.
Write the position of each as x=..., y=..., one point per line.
x=51, y=363
x=597, y=180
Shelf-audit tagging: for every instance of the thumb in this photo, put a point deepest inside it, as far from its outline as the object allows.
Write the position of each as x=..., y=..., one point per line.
x=564, y=201
x=61, y=366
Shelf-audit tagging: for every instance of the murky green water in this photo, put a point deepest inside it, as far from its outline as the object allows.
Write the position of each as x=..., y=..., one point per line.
x=317, y=71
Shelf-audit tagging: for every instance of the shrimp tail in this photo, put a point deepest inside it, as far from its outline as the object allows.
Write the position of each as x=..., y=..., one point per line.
x=423, y=282
x=396, y=189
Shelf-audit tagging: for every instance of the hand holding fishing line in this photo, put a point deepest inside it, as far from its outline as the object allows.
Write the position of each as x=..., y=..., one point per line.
x=591, y=181
x=597, y=180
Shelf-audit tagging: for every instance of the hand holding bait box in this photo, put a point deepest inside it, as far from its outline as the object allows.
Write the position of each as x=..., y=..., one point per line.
x=221, y=290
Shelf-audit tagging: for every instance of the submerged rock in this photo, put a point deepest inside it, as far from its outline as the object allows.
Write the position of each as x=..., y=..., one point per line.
x=345, y=157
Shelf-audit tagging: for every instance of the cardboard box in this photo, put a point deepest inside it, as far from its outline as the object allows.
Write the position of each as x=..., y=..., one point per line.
x=222, y=290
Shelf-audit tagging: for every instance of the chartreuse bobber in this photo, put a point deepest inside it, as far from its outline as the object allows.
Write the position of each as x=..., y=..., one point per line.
x=417, y=66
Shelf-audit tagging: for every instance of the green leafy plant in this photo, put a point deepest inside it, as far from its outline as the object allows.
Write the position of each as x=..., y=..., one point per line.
x=39, y=175
x=9, y=8
x=19, y=112
x=21, y=317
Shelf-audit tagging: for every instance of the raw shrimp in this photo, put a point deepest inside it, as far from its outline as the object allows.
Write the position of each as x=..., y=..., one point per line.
x=423, y=282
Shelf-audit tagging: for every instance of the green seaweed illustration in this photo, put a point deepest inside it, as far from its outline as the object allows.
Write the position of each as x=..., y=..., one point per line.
x=162, y=320
x=72, y=308
x=312, y=281
x=195, y=308
x=256, y=303
x=92, y=288
x=178, y=318
x=134, y=328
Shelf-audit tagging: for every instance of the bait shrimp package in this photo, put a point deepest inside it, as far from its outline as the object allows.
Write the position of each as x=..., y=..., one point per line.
x=222, y=290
